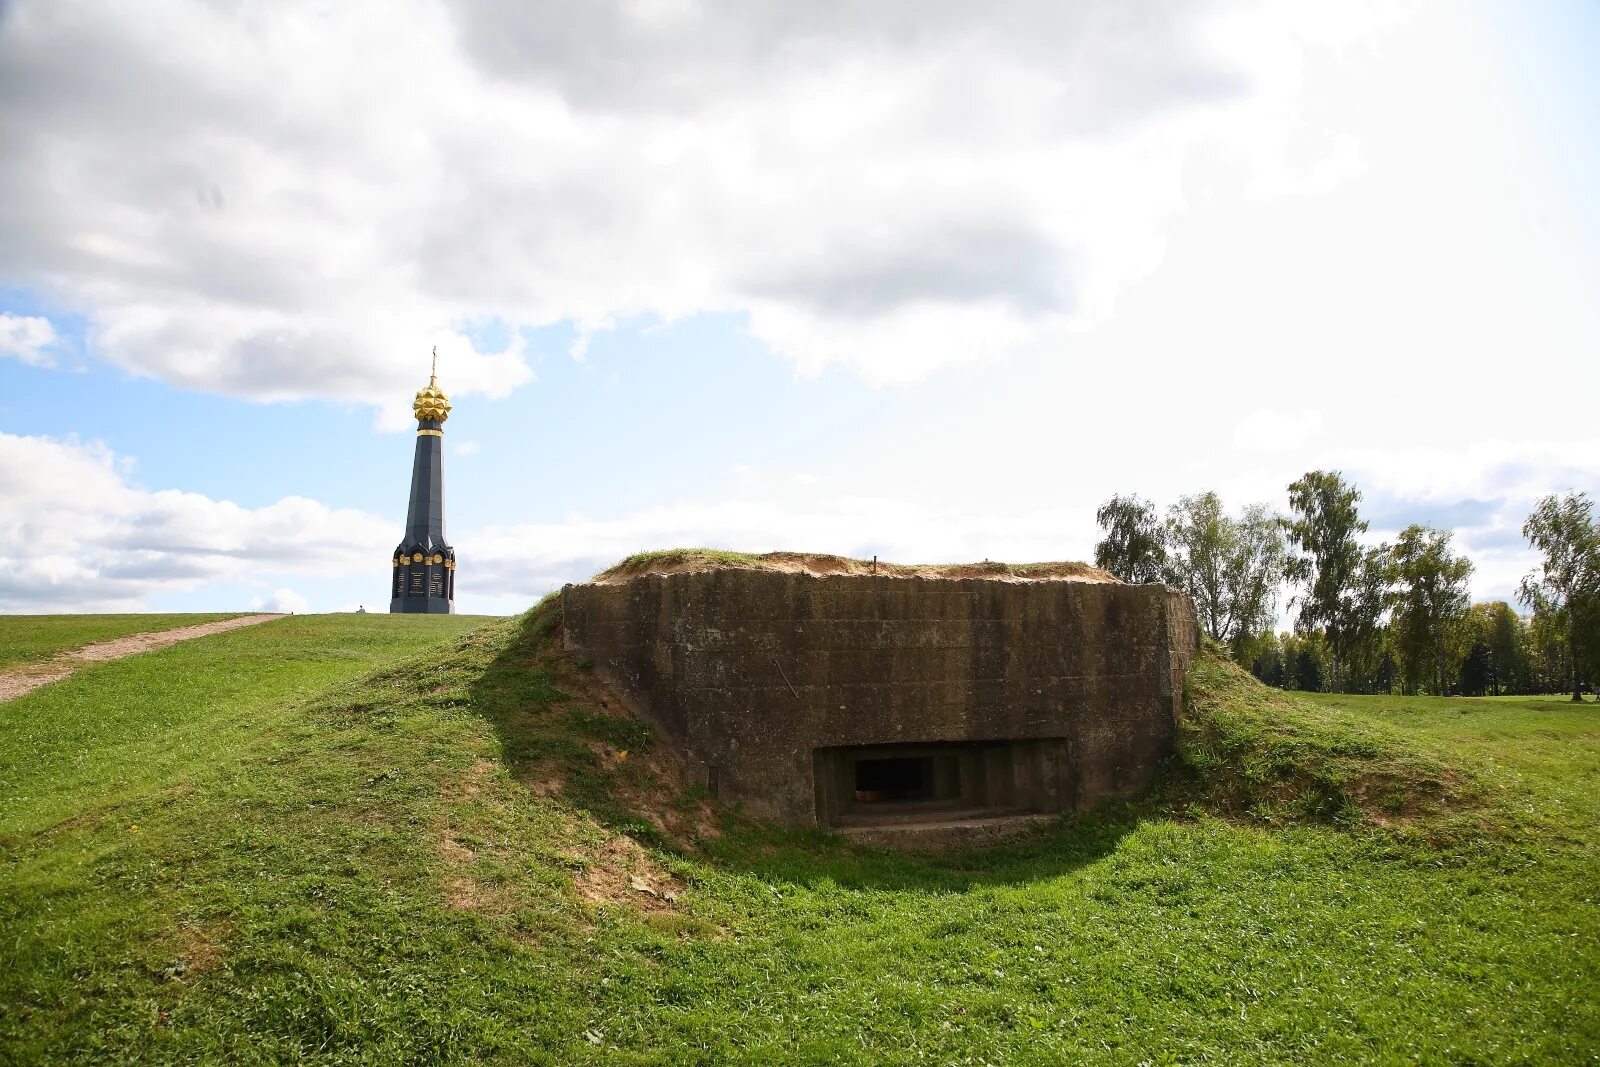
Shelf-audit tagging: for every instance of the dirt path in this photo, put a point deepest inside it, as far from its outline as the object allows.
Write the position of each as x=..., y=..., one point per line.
x=16, y=681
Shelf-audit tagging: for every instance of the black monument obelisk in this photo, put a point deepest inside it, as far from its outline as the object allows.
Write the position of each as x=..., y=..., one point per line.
x=424, y=565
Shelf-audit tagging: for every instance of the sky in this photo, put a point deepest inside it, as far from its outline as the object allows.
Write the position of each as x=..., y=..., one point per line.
x=928, y=281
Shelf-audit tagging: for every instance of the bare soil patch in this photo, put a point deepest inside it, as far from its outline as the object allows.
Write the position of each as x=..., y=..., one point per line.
x=471, y=785
x=621, y=872
x=200, y=952
x=25, y=679
x=461, y=890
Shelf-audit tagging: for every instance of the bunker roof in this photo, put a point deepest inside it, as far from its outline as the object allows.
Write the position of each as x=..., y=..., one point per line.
x=684, y=560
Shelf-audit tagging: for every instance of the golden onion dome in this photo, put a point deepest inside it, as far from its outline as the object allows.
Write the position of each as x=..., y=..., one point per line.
x=431, y=403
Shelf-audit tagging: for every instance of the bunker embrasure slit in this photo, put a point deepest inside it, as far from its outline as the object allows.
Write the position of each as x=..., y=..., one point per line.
x=897, y=778
x=870, y=785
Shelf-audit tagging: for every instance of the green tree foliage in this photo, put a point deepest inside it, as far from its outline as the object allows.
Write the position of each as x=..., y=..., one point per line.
x=1230, y=567
x=1474, y=677
x=1268, y=663
x=1307, y=671
x=1198, y=544
x=1367, y=663
x=1290, y=660
x=1586, y=622
x=1134, y=547
x=1261, y=562
x=1369, y=617
x=1430, y=608
x=1344, y=587
x=1496, y=661
x=1565, y=588
x=1507, y=639
x=1548, y=652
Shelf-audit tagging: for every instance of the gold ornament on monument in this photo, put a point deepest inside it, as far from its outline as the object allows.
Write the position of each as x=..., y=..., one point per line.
x=431, y=403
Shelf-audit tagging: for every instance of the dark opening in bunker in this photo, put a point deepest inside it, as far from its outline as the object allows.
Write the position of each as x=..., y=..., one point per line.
x=881, y=780
x=872, y=784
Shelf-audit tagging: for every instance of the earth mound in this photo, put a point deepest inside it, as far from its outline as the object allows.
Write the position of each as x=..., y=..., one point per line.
x=1246, y=749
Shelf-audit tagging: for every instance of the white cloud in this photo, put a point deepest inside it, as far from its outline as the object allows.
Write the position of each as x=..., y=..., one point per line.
x=298, y=199
x=77, y=535
x=283, y=601
x=1266, y=430
x=467, y=448
x=1480, y=468
x=28, y=338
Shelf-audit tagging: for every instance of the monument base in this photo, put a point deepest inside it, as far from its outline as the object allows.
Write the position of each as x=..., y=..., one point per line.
x=421, y=605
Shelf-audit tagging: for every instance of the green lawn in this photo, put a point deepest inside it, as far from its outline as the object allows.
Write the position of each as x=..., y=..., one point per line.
x=1545, y=744
x=388, y=840
x=28, y=638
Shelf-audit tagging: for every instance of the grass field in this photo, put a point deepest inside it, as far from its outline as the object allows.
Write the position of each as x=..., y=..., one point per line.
x=383, y=839
x=30, y=638
x=1544, y=744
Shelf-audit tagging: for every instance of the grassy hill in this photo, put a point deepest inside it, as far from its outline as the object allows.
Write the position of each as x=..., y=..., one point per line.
x=377, y=838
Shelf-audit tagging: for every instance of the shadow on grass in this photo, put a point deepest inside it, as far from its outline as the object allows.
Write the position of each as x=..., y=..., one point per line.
x=562, y=733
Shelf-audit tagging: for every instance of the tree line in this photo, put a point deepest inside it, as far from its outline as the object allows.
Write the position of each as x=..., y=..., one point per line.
x=1368, y=618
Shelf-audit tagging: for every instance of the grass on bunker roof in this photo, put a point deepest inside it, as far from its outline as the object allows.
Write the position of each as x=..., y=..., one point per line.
x=671, y=560
x=456, y=849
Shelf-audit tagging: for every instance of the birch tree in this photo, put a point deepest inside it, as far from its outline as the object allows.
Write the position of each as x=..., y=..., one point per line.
x=1134, y=547
x=1430, y=605
x=1566, y=585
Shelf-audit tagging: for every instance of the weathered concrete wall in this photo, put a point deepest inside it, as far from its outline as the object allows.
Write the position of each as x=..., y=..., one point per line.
x=751, y=671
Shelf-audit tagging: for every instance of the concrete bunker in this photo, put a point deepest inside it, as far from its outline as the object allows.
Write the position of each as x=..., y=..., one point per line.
x=896, y=703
